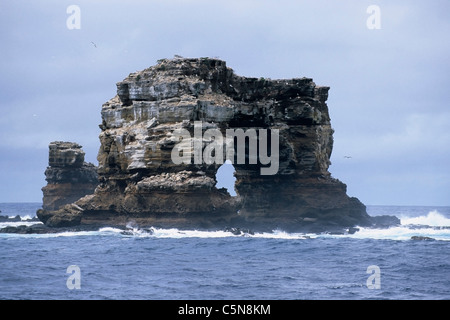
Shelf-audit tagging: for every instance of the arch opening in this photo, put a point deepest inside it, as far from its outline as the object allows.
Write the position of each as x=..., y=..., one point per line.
x=225, y=178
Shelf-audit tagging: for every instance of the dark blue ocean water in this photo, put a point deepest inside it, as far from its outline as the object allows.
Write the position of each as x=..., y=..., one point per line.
x=174, y=264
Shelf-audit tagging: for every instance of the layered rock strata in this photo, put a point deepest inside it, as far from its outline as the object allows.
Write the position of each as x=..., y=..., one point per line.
x=139, y=179
x=68, y=177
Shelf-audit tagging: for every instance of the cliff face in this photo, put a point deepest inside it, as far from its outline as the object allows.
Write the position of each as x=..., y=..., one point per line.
x=171, y=126
x=68, y=177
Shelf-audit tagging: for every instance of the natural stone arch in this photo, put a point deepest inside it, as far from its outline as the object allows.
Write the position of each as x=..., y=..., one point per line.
x=139, y=180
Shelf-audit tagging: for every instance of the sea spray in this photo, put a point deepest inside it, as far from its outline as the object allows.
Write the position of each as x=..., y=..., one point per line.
x=433, y=219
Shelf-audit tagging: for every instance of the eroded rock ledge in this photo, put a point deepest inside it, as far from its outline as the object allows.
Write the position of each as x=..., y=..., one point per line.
x=68, y=176
x=139, y=181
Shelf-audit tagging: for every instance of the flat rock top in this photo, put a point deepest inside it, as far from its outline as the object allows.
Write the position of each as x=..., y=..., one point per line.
x=174, y=77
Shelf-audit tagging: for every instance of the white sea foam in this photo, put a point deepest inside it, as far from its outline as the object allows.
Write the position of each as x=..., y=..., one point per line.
x=18, y=223
x=280, y=234
x=433, y=225
x=433, y=219
x=400, y=233
x=393, y=233
x=177, y=234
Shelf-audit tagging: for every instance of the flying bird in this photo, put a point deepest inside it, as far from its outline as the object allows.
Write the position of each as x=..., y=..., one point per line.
x=347, y=157
x=94, y=44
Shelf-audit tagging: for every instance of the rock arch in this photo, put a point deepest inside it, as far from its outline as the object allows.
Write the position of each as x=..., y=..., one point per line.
x=139, y=179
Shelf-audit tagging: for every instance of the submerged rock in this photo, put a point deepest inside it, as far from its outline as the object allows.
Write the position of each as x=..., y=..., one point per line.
x=141, y=126
x=421, y=238
x=10, y=219
x=385, y=221
x=239, y=231
x=352, y=230
x=137, y=231
x=24, y=229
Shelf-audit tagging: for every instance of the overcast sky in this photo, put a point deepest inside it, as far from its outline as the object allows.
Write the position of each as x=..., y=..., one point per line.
x=389, y=96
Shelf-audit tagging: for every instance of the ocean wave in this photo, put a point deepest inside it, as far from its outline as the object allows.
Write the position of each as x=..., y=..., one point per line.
x=24, y=222
x=401, y=233
x=433, y=225
x=432, y=219
x=177, y=233
x=393, y=233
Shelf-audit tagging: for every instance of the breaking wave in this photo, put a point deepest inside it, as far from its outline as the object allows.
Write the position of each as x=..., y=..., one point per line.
x=432, y=226
x=432, y=219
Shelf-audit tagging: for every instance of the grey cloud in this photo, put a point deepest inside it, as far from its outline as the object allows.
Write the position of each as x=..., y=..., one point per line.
x=388, y=87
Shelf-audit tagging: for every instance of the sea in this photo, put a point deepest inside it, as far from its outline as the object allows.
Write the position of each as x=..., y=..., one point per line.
x=172, y=264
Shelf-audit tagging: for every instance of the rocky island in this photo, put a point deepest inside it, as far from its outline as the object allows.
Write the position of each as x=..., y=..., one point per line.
x=181, y=109
x=68, y=176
